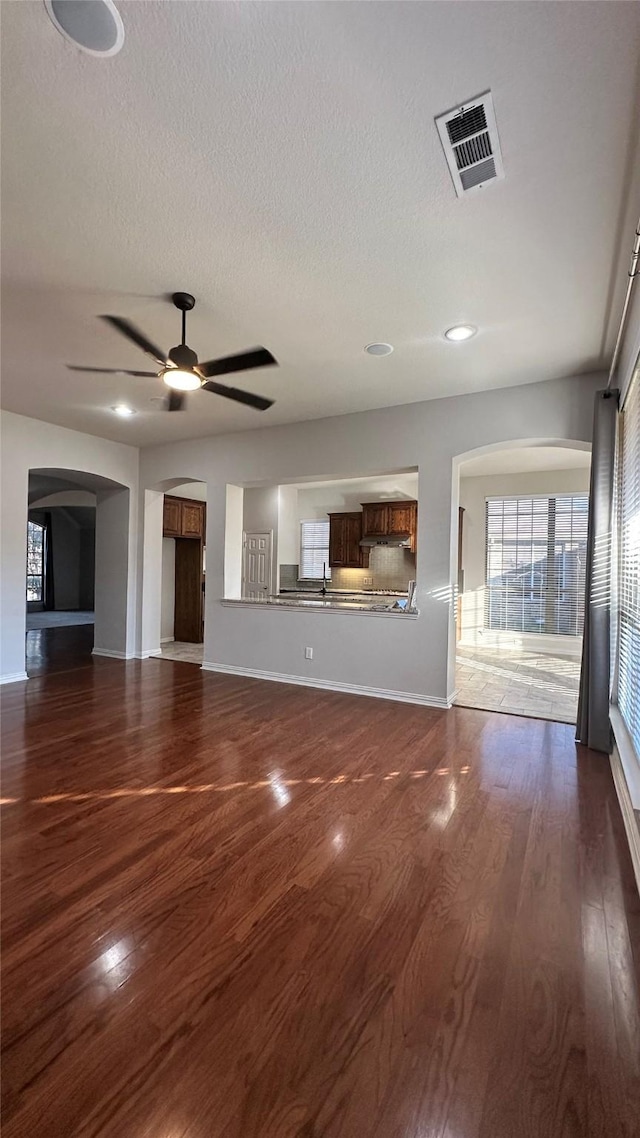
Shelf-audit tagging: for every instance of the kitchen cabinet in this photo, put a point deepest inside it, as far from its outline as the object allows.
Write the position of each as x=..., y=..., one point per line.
x=390, y=519
x=184, y=517
x=401, y=517
x=171, y=517
x=375, y=516
x=345, y=533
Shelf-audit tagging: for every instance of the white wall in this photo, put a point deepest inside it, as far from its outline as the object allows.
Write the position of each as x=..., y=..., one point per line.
x=414, y=655
x=342, y=498
x=168, y=588
x=195, y=490
x=260, y=515
x=288, y=552
x=31, y=444
x=473, y=494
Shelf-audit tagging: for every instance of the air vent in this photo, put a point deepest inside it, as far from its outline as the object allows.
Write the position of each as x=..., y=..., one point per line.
x=469, y=138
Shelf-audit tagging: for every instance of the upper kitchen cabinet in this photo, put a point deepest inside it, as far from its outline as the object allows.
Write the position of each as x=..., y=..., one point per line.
x=184, y=517
x=390, y=519
x=375, y=519
x=193, y=514
x=345, y=534
x=171, y=517
x=402, y=517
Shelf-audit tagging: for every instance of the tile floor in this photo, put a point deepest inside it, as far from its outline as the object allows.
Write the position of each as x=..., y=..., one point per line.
x=518, y=682
x=185, y=653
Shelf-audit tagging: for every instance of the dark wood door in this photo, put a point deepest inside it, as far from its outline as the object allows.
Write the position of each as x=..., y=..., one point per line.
x=187, y=623
x=192, y=521
x=374, y=519
x=171, y=522
x=401, y=517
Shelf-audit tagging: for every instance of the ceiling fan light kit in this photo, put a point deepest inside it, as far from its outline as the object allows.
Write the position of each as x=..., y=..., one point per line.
x=180, y=369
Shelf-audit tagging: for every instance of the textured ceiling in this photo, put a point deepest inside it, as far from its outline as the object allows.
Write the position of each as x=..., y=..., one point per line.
x=280, y=161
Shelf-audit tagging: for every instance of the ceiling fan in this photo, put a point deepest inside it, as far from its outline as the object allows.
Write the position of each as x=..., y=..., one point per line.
x=180, y=369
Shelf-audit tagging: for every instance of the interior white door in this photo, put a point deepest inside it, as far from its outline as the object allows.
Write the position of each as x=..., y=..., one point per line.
x=256, y=574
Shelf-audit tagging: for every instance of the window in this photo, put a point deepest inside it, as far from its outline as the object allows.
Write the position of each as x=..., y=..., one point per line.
x=535, y=563
x=629, y=562
x=314, y=549
x=36, y=547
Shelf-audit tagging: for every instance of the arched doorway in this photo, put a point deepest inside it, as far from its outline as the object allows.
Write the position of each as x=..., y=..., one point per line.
x=520, y=547
x=77, y=568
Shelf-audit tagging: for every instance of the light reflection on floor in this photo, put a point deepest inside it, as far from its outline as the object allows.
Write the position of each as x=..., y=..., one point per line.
x=275, y=783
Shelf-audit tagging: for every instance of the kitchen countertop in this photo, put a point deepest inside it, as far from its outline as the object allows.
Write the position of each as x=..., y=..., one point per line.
x=324, y=604
x=344, y=593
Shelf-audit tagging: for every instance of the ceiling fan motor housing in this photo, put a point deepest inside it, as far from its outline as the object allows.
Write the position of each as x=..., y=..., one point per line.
x=183, y=357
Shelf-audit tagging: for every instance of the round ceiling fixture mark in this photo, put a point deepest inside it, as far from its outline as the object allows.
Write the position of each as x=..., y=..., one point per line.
x=95, y=26
x=379, y=349
x=460, y=332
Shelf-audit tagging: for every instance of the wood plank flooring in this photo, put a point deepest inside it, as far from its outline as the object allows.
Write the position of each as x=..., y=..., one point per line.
x=236, y=909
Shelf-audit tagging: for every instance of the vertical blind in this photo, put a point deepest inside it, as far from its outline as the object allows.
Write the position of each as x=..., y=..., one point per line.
x=535, y=563
x=629, y=566
x=314, y=549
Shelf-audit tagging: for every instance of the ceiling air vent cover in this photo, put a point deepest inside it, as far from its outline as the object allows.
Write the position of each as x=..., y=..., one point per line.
x=469, y=137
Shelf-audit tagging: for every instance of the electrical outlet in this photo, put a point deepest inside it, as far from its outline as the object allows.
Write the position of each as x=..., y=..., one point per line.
x=368, y=582
x=308, y=653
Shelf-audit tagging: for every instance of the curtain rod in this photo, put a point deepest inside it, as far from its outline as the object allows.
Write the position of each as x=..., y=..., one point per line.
x=633, y=273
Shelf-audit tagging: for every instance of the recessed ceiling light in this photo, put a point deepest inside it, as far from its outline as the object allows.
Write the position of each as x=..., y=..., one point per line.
x=122, y=410
x=95, y=26
x=460, y=332
x=379, y=349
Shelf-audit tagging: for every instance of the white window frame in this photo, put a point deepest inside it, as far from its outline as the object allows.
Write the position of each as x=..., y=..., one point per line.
x=302, y=573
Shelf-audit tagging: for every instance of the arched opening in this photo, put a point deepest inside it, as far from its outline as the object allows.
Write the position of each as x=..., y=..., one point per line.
x=518, y=557
x=174, y=569
x=77, y=563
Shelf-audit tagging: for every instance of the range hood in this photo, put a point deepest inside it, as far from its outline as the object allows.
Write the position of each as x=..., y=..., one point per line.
x=396, y=541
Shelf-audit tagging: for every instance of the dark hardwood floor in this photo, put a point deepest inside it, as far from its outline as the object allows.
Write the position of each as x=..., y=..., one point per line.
x=236, y=909
x=58, y=649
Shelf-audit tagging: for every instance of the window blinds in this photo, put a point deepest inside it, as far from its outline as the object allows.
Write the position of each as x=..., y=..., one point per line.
x=314, y=549
x=535, y=563
x=629, y=567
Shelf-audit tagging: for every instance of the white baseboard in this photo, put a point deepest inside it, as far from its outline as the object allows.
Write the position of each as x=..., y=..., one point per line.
x=167, y=639
x=626, y=808
x=13, y=677
x=328, y=685
x=111, y=655
x=153, y=653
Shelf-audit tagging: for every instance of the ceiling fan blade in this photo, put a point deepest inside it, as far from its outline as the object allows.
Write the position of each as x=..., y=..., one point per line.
x=257, y=357
x=257, y=401
x=113, y=371
x=175, y=401
x=126, y=328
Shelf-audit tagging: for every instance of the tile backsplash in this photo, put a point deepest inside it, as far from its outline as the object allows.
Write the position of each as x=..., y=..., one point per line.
x=389, y=568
